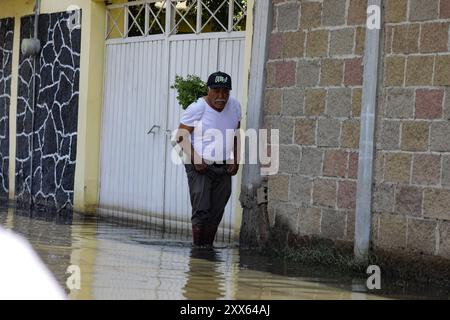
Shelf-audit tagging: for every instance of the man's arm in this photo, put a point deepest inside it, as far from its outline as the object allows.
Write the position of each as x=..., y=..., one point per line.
x=233, y=168
x=182, y=138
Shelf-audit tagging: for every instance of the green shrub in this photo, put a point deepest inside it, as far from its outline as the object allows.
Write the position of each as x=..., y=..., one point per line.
x=189, y=89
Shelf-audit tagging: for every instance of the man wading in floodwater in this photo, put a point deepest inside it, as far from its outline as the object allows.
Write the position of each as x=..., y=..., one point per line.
x=207, y=135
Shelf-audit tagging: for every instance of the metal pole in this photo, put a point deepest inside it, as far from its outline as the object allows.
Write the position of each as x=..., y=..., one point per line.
x=125, y=21
x=230, y=15
x=199, y=16
x=107, y=23
x=168, y=17
x=251, y=177
x=147, y=19
x=33, y=99
x=37, y=6
x=366, y=142
x=262, y=18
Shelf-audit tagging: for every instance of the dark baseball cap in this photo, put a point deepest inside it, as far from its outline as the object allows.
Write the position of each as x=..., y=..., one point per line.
x=219, y=80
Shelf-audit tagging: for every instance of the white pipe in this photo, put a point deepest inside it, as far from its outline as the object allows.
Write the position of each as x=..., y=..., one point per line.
x=251, y=177
x=366, y=142
x=199, y=17
x=230, y=15
x=37, y=6
x=33, y=97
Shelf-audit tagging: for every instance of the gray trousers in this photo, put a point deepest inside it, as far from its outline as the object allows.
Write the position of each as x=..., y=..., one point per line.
x=209, y=193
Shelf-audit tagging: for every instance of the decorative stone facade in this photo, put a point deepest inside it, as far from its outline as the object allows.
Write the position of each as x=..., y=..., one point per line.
x=6, y=48
x=46, y=142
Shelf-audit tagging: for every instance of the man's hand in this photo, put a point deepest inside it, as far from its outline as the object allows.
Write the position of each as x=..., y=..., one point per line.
x=199, y=164
x=232, y=169
x=200, y=168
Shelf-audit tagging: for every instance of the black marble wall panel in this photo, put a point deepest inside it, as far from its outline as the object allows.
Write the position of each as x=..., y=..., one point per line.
x=6, y=48
x=46, y=142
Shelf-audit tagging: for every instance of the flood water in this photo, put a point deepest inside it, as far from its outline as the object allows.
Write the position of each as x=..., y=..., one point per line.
x=120, y=261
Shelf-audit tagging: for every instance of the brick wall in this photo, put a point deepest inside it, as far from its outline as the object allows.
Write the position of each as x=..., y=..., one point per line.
x=313, y=96
x=411, y=200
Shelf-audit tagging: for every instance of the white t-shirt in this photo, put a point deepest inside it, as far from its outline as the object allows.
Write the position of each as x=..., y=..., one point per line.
x=213, y=135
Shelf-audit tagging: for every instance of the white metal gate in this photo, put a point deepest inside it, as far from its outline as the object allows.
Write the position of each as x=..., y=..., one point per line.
x=138, y=180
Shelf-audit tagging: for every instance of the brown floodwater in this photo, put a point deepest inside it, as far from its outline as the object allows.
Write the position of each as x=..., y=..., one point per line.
x=122, y=261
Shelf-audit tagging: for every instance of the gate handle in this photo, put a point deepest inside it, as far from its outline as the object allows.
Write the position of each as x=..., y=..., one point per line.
x=151, y=130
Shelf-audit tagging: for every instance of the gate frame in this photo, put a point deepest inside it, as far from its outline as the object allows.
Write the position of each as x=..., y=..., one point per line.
x=247, y=35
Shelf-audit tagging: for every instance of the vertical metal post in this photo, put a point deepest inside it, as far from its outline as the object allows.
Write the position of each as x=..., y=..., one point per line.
x=230, y=15
x=125, y=21
x=168, y=17
x=251, y=176
x=147, y=20
x=165, y=93
x=37, y=9
x=199, y=17
x=107, y=23
x=366, y=142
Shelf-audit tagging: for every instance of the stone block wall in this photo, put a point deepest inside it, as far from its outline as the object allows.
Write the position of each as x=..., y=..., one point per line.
x=411, y=199
x=313, y=96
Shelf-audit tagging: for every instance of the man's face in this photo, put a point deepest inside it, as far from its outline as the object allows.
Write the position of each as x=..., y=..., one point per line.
x=218, y=97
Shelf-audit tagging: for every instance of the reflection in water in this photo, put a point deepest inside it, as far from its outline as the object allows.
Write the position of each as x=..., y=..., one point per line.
x=50, y=237
x=3, y=218
x=203, y=279
x=118, y=262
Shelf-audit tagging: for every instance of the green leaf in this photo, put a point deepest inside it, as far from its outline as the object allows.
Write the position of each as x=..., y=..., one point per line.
x=189, y=90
